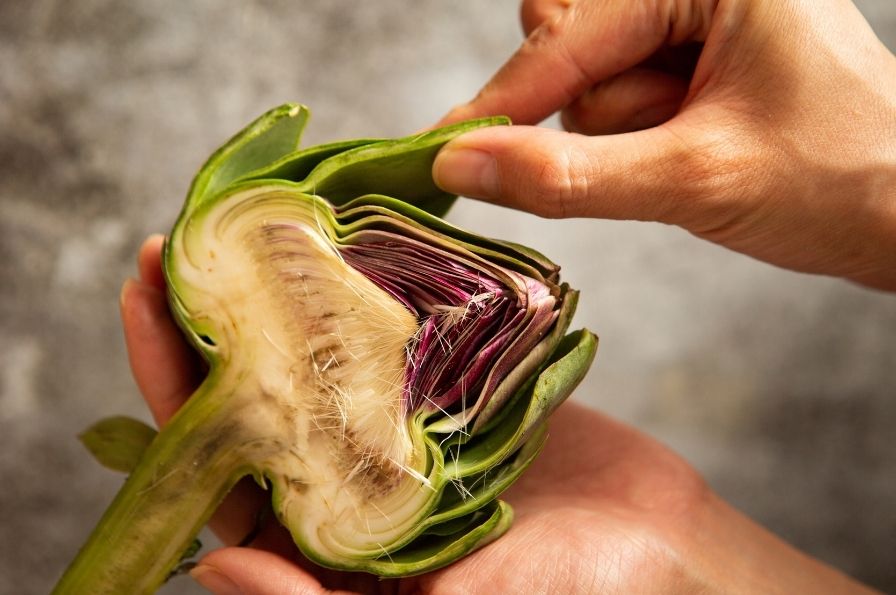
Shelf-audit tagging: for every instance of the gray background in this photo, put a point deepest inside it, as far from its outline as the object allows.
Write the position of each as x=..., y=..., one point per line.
x=779, y=387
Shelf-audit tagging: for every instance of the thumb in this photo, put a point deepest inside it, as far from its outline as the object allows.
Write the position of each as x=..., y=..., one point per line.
x=650, y=175
x=247, y=571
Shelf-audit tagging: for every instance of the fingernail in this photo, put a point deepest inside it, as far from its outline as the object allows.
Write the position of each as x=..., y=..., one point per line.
x=150, y=240
x=125, y=289
x=469, y=172
x=210, y=578
x=148, y=302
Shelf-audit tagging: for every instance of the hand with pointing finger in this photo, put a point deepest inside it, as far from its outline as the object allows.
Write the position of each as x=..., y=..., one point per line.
x=766, y=126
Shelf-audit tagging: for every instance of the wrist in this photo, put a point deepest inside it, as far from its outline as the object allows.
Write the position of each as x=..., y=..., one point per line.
x=733, y=554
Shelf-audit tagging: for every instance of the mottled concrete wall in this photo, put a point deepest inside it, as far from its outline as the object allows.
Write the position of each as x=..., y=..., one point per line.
x=779, y=387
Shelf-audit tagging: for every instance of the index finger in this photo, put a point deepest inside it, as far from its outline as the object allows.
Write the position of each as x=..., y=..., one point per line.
x=577, y=48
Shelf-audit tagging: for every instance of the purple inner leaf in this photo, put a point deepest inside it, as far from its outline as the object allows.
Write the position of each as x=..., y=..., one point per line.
x=477, y=321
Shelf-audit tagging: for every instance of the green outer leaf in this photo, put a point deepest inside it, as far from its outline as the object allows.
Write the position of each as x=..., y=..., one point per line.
x=296, y=166
x=437, y=551
x=118, y=442
x=456, y=525
x=570, y=363
x=399, y=168
x=487, y=485
x=274, y=134
x=340, y=171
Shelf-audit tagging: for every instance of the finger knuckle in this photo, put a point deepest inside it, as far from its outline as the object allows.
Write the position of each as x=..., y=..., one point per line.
x=552, y=38
x=713, y=176
x=687, y=20
x=533, y=13
x=563, y=181
x=547, y=33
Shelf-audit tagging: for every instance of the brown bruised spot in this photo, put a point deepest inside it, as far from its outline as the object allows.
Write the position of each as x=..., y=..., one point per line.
x=297, y=486
x=376, y=475
x=221, y=437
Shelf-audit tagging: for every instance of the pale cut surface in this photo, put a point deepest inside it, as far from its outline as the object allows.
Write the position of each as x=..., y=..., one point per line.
x=325, y=348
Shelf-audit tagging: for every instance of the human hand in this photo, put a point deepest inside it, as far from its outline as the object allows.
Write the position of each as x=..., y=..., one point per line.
x=766, y=126
x=603, y=509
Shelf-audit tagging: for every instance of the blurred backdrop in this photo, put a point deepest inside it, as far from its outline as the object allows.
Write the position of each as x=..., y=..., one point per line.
x=779, y=387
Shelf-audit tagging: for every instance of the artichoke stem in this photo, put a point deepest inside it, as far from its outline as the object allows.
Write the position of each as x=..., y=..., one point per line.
x=180, y=480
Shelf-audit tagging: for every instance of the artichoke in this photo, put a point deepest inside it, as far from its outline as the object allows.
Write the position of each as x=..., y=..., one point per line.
x=385, y=374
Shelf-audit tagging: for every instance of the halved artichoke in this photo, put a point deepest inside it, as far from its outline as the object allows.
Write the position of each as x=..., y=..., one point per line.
x=385, y=373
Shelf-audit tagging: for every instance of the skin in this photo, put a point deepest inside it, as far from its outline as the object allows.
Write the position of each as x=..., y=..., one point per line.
x=765, y=126
x=604, y=509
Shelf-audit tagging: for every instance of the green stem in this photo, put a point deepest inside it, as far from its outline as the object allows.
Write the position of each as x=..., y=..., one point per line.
x=180, y=480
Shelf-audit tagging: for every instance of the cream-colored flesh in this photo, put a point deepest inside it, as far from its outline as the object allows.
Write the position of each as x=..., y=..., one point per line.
x=317, y=352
